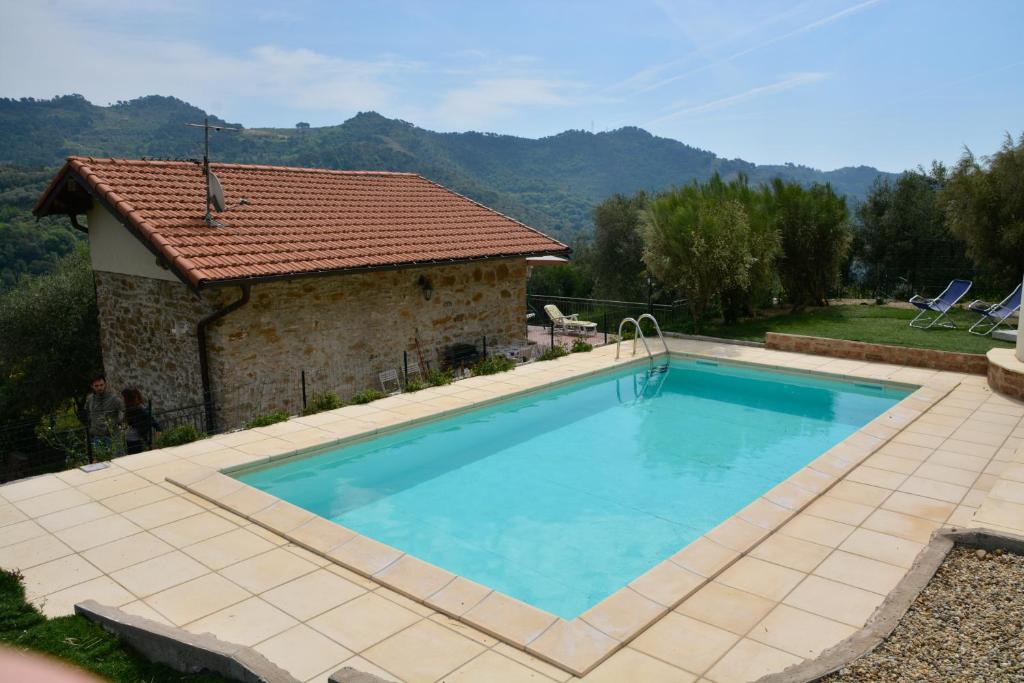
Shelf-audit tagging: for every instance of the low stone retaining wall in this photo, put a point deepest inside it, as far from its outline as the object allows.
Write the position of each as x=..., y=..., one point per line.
x=182, y=650
x=1006, y=373
x=972, y=363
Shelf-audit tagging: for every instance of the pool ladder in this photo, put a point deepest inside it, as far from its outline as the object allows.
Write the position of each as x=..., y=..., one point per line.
x=640, y=334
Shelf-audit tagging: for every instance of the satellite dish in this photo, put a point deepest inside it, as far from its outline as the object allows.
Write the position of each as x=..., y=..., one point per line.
x=216, y=193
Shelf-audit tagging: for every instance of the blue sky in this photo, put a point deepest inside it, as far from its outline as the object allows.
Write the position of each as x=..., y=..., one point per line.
x=828, y=83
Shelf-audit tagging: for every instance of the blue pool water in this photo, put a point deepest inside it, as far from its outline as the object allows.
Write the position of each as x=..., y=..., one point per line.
x=561, y=498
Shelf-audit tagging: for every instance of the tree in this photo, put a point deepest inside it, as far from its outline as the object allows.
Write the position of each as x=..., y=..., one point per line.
x=901, y=235
x=302, y=125
x=698, y=240
x=815, y=228
x=49, y=339
x=616, y=257
x=984, y=205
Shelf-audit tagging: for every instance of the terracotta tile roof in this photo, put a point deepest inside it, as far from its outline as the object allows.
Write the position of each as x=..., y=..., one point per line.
x=295, y=220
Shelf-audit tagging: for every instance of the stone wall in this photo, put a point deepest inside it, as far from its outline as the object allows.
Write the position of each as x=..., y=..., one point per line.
x=1006, y=373
x=148, y=336
x=345, y=329
x=879, y=353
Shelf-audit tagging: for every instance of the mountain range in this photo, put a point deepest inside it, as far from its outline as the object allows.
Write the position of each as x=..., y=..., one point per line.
x=551, y=183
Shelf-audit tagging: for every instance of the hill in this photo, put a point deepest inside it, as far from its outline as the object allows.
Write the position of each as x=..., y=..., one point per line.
x=551, y=183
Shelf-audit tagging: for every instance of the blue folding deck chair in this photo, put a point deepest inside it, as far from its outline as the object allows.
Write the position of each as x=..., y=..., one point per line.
x=993, y=315
x=940, y=305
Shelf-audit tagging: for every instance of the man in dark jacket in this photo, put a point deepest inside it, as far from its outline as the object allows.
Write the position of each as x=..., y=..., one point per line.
x=104, y=416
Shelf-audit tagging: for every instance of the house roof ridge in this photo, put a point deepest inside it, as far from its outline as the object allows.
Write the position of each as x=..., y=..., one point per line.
x=235, y=165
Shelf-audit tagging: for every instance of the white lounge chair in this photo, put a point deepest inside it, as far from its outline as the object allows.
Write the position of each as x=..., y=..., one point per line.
x=389, y=383
x=569, y=323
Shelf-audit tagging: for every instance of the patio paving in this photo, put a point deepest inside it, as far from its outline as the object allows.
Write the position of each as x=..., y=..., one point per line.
x=125, y=536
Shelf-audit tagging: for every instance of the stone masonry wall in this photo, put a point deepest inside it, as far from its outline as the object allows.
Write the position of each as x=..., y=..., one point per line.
x=345, y=329
x=148, y=336
x=879, y=353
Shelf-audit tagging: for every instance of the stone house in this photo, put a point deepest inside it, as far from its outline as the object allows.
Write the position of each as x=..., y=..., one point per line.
x=337, y=275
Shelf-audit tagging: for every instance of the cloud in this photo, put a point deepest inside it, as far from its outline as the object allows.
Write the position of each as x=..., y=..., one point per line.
x=488, y=99
x=785, y=84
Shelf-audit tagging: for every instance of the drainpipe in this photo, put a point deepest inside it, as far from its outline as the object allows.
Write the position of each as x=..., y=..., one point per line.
x=204, y=361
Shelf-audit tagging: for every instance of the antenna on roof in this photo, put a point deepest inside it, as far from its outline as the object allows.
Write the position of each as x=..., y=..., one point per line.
x=214, y=191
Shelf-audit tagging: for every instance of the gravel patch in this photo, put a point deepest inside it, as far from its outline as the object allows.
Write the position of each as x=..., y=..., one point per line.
x=966, y=625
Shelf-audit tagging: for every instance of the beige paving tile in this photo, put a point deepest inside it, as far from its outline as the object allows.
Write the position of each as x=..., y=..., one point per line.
x=303, y=652
x=97, y=532
x=101, y=589
x=33, y=552
x=512, y=620
x=861, y=572
x=245, y=623
x=52, y=502
x=320, y=534
x=162, y=512
x=234, y=546
x=10, y=515
x=282, y=517
x=834, y=600
x=463, y=629
x=919, y=506
x=798, y=632
x=899, y=524
x=791, y=552
x=73, y=516
x=632, y=665
x=32, y=487
x=704, y=557
x=891, y=463
x=817, y=530
x=994, y=512
x=760, y=578
x=56, y=575
x=859, y=493
x=414, y=577
x=528, y=660
x=764, y=513
x=459, y=596
x=951, y=493
x=270, y=569
x=312, y=594
x=839, y=510
x=666, y=583
x=494, y=668
x=575, y=644
x=1008, y=490
x=424, y=652
x=140, y=609
x=876, y=477
x=749, y=660
x=736, y=534
x=684, y=642
x=364, y=621
x=159, y=573
x=127, y=551
x=726, y=607
x=951, y=475
x=20, y=531
x=112, y=486
x=365, y=555
x=197, y=598
x=891, y=549
x=622, y=614
x=193, y=529
x=789, y=496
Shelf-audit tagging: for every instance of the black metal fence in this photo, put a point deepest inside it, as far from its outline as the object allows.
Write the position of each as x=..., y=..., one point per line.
x=606, y=313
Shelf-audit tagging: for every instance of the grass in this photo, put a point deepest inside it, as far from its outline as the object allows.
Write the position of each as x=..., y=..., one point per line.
x=867, y=323
x=78, y=641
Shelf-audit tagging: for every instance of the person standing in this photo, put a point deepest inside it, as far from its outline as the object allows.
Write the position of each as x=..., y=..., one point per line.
x=104, y=416
x=142, y=428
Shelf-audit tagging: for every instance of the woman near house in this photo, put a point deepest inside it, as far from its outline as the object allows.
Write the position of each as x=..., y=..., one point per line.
x=142, y=428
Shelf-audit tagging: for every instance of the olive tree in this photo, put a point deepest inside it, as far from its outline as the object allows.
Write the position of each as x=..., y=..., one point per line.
x=697, y=239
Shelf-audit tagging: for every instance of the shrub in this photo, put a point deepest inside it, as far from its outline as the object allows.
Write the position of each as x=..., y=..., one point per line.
x=554, y=352
x=580, y=346
x=414, y=385
x=367, y=395
x=437, y=378
x=492, y=365
x=177, y=436
x=327, y=400
x=267, y=420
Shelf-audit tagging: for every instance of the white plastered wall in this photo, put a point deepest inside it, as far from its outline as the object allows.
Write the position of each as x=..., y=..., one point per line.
x=114, y=249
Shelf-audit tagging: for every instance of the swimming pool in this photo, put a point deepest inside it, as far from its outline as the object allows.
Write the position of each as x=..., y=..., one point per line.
x=562, y=497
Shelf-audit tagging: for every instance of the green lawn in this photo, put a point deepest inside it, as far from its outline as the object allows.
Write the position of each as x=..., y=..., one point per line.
x=867, y=323
x=78, y=641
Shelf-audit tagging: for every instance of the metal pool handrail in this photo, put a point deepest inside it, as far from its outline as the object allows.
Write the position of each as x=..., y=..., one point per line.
x=656, y=327
x=639, y=333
